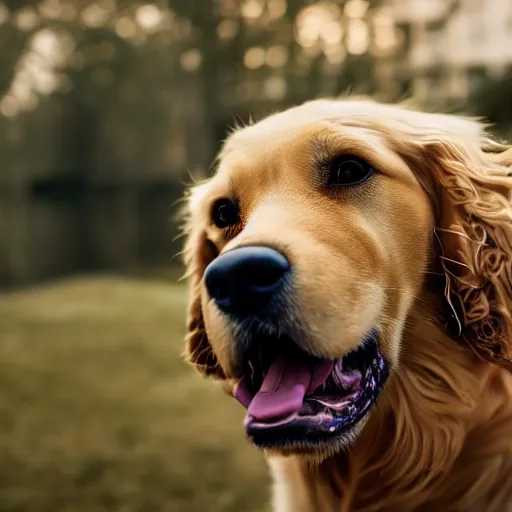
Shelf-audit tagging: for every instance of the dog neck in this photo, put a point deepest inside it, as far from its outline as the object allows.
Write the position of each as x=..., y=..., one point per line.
x=443, y=411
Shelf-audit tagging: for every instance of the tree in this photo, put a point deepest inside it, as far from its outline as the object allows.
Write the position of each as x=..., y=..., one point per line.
x=494, y=101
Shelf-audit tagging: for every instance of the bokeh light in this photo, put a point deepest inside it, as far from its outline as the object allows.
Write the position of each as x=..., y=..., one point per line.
x=276, y=9
x=274, y=88
x=252, y=9
x=355, y=8
x=276, y=56
x=227, y=29
x=357, y=37
x=27, y=19
x=312, y=21
x=149, y=17
x=191, y=59
x=254, y=57
x=126, y=28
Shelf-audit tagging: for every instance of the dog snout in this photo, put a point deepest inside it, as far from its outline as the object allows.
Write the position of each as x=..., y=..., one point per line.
x=243, y=281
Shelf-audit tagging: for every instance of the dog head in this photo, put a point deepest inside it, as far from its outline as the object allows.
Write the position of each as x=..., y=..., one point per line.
x=312, y=243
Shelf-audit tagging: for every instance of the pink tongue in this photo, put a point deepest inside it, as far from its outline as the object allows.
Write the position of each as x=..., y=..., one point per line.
x=288, y=380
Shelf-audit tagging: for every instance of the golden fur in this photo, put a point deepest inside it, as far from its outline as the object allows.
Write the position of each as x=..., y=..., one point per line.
x=423, y=252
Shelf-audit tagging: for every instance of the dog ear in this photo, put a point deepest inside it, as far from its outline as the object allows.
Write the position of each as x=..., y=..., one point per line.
x=197, y=254
x=473, y=191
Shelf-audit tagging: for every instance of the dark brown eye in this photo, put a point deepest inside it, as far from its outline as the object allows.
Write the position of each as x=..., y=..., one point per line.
x=225, y=213
x=349, y=170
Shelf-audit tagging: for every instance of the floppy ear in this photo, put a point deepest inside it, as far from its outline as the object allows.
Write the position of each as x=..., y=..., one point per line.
x=474, y=230
x=197, y=254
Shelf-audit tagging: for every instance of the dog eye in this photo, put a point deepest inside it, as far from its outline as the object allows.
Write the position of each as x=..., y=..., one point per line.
x=225, y=213
x=349, y=170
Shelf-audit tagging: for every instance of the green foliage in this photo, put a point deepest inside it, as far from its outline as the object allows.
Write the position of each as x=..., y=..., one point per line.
x=135, y=54
x=494, y=101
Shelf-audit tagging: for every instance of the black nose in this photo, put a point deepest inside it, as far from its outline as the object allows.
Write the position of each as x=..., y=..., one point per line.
x=245, y=279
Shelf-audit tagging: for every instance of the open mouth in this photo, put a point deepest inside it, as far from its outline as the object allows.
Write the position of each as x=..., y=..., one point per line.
x=295, y=399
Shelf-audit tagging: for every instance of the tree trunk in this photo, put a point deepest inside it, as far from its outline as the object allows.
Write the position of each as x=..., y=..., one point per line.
x=208, y=83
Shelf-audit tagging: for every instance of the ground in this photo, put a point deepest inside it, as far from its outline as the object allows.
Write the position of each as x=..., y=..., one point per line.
x=99, y=413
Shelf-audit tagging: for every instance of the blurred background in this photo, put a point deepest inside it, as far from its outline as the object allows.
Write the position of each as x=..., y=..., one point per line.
x=107, y=110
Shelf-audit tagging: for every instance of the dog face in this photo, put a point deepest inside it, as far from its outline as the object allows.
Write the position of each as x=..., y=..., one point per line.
x=311, y=244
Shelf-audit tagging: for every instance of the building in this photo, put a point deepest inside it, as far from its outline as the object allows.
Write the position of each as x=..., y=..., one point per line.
x=452, y=46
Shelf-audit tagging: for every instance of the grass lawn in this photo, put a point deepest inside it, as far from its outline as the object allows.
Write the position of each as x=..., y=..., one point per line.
x=99, y=413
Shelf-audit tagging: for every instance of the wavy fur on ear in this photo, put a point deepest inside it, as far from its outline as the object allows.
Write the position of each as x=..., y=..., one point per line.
x=475, y=235
x=197, y=254
x=471, y=190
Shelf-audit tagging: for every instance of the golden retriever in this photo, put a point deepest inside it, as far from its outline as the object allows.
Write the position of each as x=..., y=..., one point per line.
x=350, y=267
